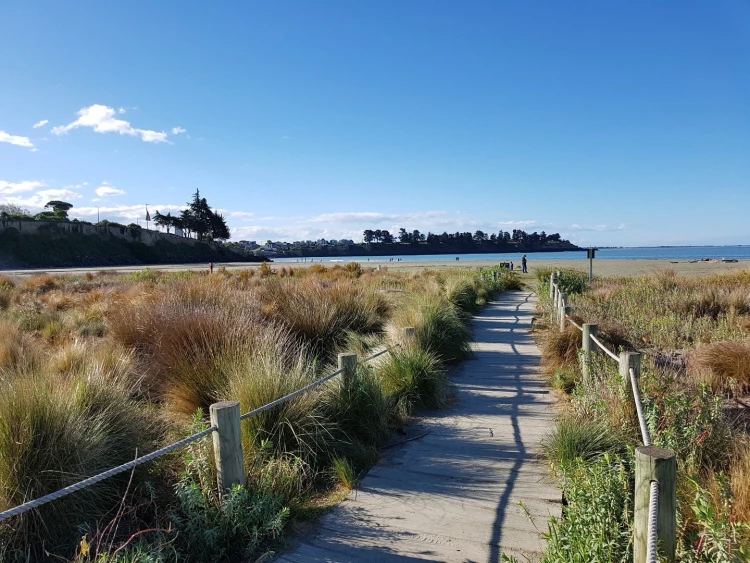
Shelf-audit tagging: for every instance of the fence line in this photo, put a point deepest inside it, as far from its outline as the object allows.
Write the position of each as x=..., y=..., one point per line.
x=654, y=528
x=230, y=439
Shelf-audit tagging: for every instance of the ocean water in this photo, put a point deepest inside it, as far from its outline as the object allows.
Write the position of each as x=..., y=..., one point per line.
x=678, y=253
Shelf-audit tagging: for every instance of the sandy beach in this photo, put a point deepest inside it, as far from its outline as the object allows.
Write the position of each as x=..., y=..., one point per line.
x=608, y=268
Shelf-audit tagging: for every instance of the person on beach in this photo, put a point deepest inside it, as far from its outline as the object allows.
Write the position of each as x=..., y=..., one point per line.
x=511, y=266
x=211, y=267
x=523, y=265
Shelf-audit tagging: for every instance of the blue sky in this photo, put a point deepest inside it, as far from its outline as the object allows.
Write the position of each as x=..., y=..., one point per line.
x=614, y=123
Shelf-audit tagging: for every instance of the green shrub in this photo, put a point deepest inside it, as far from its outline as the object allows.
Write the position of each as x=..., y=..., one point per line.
x=597, y=519
x=232, y=526
x=575, y=439
x=569, y=281
x=415, y=378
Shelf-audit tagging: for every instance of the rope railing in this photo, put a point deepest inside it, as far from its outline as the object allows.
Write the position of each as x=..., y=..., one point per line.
x=655, y=468
x=653, y=517
x=604, y=349
x=575, y=324
x=639, y=408
x=36, y=503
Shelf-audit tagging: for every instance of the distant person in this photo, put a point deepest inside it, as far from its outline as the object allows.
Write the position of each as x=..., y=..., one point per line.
x=523, y=265
x=456, y=258
x=511, y=266
x=211, y=267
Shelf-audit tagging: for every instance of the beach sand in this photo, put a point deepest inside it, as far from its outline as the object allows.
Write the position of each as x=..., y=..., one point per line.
x=606, y=268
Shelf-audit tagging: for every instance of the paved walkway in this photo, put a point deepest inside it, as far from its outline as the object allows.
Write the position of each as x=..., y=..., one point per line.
x=453, y=495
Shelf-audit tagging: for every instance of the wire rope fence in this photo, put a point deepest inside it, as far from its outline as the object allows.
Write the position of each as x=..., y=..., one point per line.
x=655, y=516
x=226, y=430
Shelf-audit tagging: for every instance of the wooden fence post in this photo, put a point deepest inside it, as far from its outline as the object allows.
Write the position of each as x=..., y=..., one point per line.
x=660, y=465
x=348, y=362
x=552, y=282
x=588, y=346
x=230, y=463
x=561, y=310
x=494, y=276
x=629, y=360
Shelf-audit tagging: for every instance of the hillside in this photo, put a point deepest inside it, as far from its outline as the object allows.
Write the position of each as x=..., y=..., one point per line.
x=69, y=244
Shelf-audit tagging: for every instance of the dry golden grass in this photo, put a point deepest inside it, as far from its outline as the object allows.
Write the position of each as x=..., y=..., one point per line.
x=725, y=366
x=560, y=349
x=41, y=283
x=739, y=478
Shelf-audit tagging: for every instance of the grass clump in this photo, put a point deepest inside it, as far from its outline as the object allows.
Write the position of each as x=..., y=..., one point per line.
x=415, y=378
x=726, y=365
x=576, y=439
x=438, y=326
x=53, y=433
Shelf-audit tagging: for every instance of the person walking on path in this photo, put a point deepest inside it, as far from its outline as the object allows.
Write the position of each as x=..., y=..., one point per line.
x=523, y=265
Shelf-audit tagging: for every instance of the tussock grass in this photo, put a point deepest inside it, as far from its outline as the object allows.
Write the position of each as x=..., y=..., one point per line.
x=54, y=432
x=362, y=410
x=415, y=378
x=439, y=328
x=560, y=349
x=299, y=426
x=580, y=439
x=322, y=314
x=726, y=365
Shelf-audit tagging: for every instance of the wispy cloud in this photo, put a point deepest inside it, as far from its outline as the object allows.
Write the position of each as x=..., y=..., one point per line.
x=102, y=119
x=41, y=123
x=107, y=190
x=178, y=130
x=17, y=140
x=596, y=228
x=19, y=187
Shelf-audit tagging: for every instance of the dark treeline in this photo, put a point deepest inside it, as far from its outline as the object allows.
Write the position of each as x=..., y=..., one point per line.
x=503, y=239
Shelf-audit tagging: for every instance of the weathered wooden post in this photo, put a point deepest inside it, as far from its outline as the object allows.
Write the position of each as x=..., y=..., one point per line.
x=588, y=346
x=659, y=465
x=552, y=282
x=348, y=362
x=561, y=310
x=494, y=276
x=629, y=360
x=230, y=464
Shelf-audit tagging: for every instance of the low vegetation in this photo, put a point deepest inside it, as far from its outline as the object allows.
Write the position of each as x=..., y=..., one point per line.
x=695, y=339
x=96, y=370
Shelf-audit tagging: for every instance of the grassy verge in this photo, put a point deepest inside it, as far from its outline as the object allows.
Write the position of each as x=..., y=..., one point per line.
x=97, y=369
x=694, y=338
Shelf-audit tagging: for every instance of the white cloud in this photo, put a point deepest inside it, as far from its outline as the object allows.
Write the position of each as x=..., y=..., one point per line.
x=178, y=130
x=16, y=140
x=19, y=187
x=105, y=190
x=102, y=119
x=41, y=123
x=121, y=111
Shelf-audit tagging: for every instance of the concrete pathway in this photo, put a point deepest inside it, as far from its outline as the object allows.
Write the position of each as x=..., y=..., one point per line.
x=453, y=495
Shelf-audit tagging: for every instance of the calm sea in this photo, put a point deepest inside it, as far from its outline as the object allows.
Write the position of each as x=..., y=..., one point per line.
x=647, y=253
